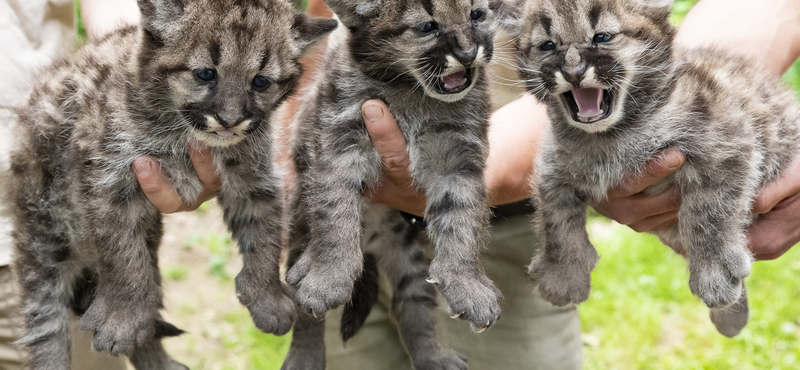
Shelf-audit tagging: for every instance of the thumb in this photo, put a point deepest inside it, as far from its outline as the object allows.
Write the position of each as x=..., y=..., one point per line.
x=388, y=140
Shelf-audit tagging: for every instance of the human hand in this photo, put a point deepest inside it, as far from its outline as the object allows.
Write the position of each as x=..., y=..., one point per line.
x=159, y=189
x=397, y=189
x=628, y=205
x=515, y=134
x=778, y=209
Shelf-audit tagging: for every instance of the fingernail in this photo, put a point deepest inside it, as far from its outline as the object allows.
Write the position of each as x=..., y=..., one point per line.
x=373, y=113
x=142, y=167
x=672, y=160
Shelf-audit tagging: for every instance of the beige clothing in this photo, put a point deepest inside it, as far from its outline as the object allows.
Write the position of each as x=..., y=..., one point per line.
x=32, y=32
x=531, y=334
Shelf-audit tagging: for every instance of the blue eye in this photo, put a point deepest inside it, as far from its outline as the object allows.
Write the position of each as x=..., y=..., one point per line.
x=260, y=82
x=547, y=46
x=205, y=74
x=602, y=37
x=427, y=27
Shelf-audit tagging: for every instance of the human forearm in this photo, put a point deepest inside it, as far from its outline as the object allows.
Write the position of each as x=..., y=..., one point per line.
x=767, y=31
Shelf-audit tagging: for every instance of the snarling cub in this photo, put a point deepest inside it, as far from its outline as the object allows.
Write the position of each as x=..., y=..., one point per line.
x=426, y=59
x=619, y=92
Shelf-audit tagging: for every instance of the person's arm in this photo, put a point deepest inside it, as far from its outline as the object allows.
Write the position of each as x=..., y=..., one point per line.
x=101, y=17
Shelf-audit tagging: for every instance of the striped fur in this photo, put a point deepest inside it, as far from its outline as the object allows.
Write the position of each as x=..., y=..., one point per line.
x=388, y=50
x=77, y=206
x=736, y=125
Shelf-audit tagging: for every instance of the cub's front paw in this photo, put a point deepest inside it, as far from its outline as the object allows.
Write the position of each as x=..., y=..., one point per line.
x=717, y=283
x=444, y=359
x=561, y=284
x=272, y=308
x=120, y=329
x=470, y=296
x=322, y=286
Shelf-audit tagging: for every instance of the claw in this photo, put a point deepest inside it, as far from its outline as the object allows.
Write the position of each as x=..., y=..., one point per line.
x=432, y=281
x=478, y=330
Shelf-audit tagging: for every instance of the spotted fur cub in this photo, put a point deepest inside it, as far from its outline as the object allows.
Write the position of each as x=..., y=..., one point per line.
x=619, y=93
x=86, y=236
x=426, y=59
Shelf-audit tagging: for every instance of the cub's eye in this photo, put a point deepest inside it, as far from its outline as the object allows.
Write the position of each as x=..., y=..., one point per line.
x=261, y=82
x=602, y=37
x=205, y=74
x=427, y=27
x=477, y=15
x=547, y=46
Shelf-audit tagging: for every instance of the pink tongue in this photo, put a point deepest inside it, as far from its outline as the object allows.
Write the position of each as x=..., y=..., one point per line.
x=455, y=79
x=225, y=133
x=588, y=102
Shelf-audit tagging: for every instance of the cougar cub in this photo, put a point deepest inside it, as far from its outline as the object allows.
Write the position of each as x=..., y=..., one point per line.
x=425, y=59
x=86, y=236
x=619, y=92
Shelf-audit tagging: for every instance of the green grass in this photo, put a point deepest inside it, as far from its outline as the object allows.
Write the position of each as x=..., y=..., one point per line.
x=641, y=314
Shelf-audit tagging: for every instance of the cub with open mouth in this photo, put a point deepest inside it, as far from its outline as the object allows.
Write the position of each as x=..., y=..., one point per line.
x=619, y=93
x=426, y=60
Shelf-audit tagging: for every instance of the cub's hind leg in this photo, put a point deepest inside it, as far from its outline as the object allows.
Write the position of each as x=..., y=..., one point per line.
x=45, y=262
x=713, y=218
x=400, y=251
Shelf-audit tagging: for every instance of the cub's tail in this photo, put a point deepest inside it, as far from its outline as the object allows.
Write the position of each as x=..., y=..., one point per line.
x=365, y=294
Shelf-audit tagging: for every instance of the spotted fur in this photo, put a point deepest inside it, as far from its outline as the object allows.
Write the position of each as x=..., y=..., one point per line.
x=390, y=51
x=736, y=125
x=191, y=70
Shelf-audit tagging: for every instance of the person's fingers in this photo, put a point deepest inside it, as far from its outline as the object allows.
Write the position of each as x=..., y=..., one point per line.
x=397, y=190
x=156, y=186
x=203, y=163
x=776, y=191
x=639, y=209
x=656, y=223
x=388, y=141
x=775, y=232
x=654, y=170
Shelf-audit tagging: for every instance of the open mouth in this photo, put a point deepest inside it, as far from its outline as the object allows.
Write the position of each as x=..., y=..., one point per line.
x=224, y=133
x=589, y=105
x=454, y=83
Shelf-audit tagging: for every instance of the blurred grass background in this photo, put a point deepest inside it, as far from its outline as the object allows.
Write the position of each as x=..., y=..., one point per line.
x=640, y=315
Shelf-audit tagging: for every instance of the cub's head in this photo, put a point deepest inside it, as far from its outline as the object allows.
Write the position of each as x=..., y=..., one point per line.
x=224, y=66
x=595, y=62
x=440, y=45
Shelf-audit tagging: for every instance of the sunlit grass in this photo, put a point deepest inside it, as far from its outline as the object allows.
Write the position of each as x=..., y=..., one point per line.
x=641, y=314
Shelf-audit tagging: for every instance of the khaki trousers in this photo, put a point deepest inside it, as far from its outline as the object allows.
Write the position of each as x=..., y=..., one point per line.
x=531, y=334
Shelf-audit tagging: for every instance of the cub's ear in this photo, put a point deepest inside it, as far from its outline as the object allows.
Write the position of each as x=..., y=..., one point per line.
x=306, y=30
x=160, y=18
x=352, y=13
x=507, y=14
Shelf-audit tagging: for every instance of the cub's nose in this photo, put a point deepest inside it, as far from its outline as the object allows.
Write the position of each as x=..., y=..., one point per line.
x=467, y=57
x=228, y=121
